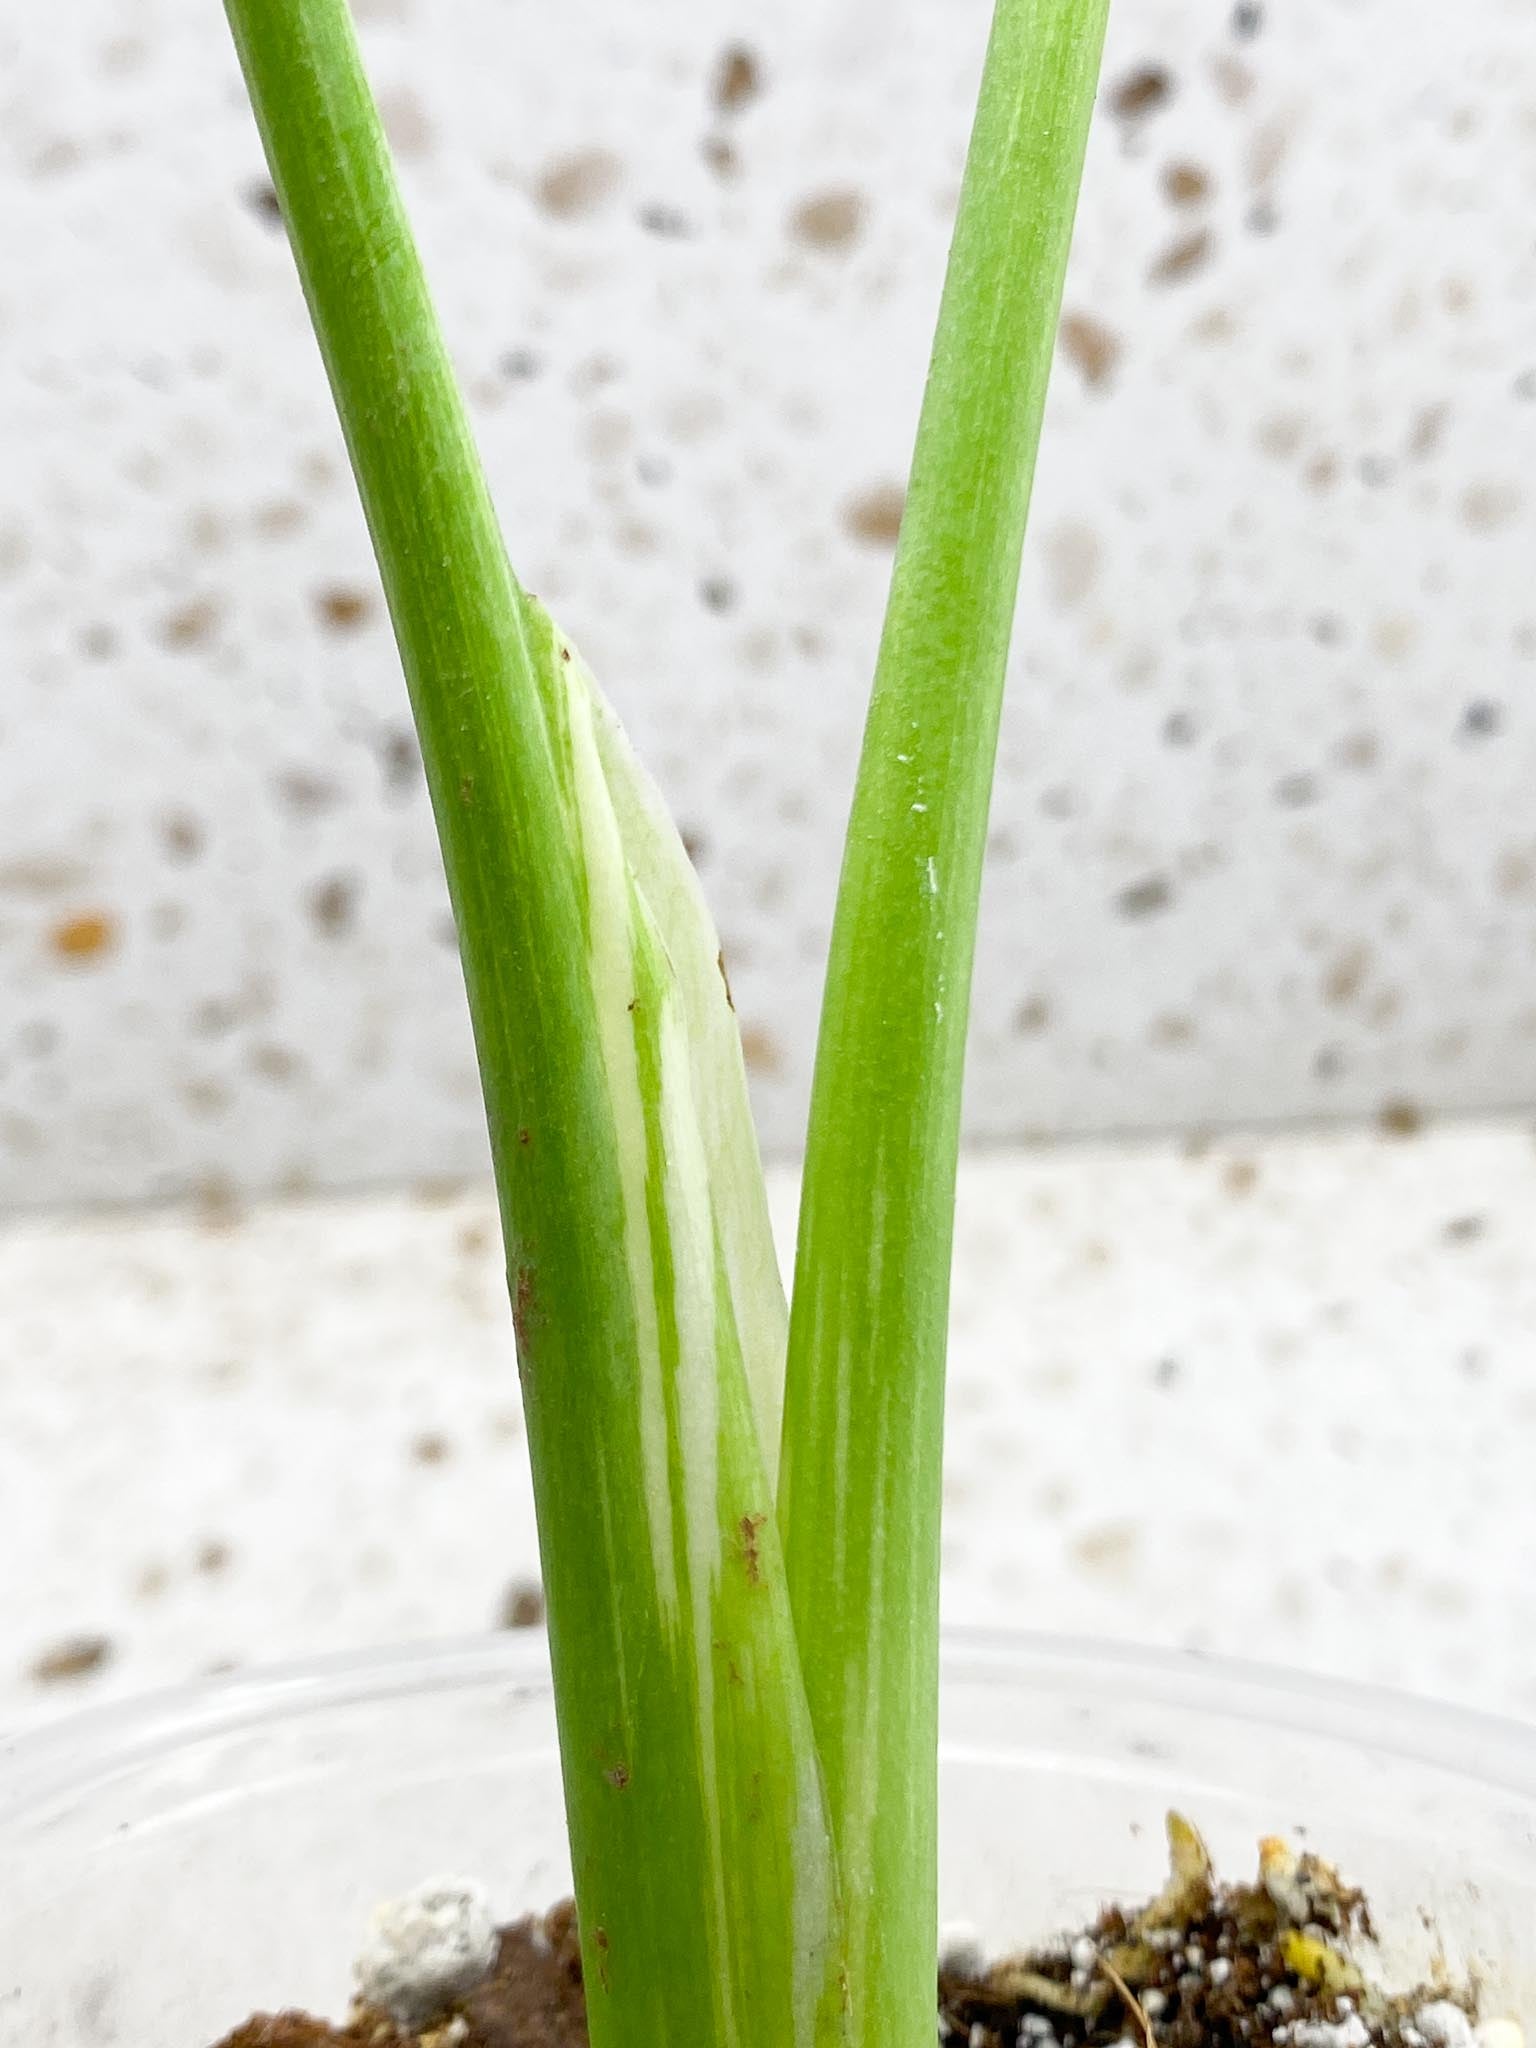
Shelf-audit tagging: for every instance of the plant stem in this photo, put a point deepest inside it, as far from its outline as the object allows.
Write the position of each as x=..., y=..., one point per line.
x=699, y=1842
x=859, y=1494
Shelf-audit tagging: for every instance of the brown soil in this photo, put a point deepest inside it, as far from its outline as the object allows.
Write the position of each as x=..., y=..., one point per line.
x=1272, y=1964
x=532, y=1999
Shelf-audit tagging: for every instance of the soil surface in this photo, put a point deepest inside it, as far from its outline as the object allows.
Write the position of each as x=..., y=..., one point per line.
x=1272, y=1964
x=1206, y=1965
x=532, y=1999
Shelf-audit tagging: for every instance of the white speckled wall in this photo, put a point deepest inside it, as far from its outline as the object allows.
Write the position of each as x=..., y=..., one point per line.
x=1180, y=1412
x=1264, y=841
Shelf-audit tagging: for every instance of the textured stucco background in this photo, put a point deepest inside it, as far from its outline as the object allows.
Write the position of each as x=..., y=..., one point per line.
x=1270, y=1397
x=1264, y=846
x=1263, y=842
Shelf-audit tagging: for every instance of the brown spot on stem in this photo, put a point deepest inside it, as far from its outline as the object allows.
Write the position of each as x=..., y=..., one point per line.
x=618, y=1776
x=750, y=1549
x=522, y=1305
x=720, y=963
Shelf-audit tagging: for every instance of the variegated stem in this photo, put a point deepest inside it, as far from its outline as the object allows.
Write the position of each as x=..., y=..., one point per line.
x=639, y=1269
x=666, y=879
x=859, y=1487
x=708, y=1618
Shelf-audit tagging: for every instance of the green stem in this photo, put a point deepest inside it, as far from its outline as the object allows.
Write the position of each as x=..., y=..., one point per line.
x=859, y=1493
x=699, y=1840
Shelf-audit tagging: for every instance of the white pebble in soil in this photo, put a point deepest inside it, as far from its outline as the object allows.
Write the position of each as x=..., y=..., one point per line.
x=1349, y=2032
x=1444, y=2025
x=427, y=1949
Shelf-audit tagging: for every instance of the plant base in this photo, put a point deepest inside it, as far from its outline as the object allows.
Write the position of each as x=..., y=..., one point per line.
x=1283, y=1962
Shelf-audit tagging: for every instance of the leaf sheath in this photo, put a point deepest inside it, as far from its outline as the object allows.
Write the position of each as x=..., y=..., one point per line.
x=859, y=1490
x=639, y=1281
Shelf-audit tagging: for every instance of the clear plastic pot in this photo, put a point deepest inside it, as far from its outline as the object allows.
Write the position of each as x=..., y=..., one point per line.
x=167, y=1866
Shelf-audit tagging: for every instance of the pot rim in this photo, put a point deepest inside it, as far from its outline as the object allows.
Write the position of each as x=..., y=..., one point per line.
x=38, y=1763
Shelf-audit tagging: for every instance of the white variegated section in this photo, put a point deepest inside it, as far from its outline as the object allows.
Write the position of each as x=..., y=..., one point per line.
x=709, y=1301
x=813, y=1908
x=696, y=1276
x=666, y=879
x=610, y=945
